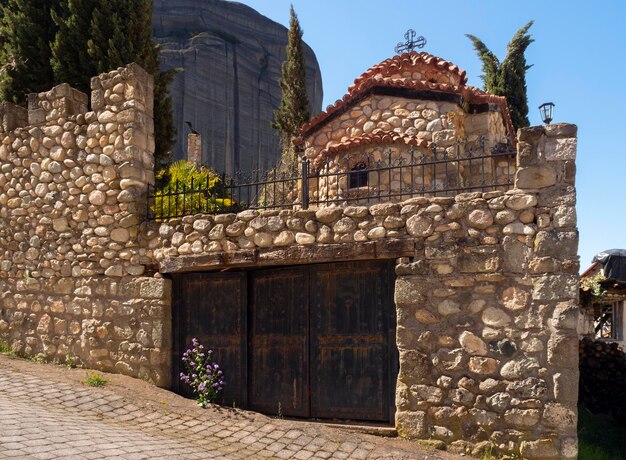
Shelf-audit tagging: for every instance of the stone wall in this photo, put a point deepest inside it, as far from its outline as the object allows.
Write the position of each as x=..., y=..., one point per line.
x=120, y=325
x=439, y=146
x=486, y=295
x=72, y=180
x=487, y=329
x=72, y=198
x=400, y=172
x=486, y=289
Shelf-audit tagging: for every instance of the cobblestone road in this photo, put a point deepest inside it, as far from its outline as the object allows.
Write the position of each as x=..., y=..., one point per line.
x=42, y=418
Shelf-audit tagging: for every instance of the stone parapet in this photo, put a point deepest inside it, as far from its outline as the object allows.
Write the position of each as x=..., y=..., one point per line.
x=61, y=103
x=11, y=117
x=475, y=219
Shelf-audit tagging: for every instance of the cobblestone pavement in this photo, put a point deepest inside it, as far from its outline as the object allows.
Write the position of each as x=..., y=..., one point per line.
x=45, y=417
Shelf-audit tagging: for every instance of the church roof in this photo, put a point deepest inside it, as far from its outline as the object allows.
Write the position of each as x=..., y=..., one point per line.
x=411, y=61
x=412, y=72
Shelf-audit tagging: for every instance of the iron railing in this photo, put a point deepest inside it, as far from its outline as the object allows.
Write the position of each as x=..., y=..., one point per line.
x=357, y=178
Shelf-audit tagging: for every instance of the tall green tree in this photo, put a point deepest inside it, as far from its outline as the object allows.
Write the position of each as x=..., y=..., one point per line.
x=26, y=30
x=508, y=78
x=293, y=111
x=70, y=60
x=97, y=36
x=122, y=30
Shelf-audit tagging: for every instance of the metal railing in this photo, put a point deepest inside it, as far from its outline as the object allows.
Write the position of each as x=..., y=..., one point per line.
x=358, y=178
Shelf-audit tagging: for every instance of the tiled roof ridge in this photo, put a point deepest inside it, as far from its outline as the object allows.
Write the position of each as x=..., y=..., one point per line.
x=372, y=78
x=411, y=59
x=378, y=136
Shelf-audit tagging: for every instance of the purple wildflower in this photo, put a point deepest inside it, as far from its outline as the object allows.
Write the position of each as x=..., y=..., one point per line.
x=202, y=375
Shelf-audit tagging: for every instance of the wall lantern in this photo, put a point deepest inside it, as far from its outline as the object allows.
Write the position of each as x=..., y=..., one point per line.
x=546, y=112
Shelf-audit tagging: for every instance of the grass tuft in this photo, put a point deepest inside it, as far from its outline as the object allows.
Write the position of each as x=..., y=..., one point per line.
x=6, y=349
x=70, y=360
x=95, y=379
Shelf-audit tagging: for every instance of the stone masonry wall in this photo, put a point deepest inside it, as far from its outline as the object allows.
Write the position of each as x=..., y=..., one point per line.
x=415, y=172
x=71, y=188
x=382, y=131
x=486, y=289
x=486, y=295
x=487, y=329
x=117, y=325
x=72, y=180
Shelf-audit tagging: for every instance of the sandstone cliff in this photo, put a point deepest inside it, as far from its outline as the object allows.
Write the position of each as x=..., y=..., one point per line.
x=231, y=57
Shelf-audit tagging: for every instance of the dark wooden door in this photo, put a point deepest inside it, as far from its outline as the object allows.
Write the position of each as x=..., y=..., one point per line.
x=211, y=307
x=351, y=360
x=307, y=341
x=278, y=342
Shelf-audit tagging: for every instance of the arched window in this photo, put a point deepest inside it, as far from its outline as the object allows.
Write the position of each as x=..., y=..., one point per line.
x=358, y=175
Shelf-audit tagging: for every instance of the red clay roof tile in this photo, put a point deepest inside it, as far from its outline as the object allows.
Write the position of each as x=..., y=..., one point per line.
x=381, y=75
x=406, y=61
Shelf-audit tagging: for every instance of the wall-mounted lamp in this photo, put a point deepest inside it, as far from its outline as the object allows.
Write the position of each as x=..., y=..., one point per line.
x=546, y=112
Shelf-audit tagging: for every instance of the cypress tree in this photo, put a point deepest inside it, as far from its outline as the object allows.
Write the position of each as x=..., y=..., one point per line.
x=97, y=36
x=508, y=78
x=26, y=30
x=293, y=111
x=122, y=33
x=70, y=61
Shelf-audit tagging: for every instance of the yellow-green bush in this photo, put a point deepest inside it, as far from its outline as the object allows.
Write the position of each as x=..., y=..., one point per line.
x=185, y=189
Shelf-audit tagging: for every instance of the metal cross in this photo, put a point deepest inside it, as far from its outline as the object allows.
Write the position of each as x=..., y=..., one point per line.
x=411, y=43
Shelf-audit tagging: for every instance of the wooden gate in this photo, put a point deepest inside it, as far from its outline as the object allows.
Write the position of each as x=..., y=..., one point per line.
x=306, y=341
x=279, y=342
x=212, y=308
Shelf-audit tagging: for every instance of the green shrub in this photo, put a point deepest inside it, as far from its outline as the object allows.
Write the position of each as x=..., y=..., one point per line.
x=187, y=189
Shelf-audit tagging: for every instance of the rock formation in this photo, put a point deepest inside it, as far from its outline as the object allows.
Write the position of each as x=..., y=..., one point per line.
x=230, y=57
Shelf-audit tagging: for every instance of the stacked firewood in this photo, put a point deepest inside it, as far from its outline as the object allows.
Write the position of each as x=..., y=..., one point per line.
x=602, y=387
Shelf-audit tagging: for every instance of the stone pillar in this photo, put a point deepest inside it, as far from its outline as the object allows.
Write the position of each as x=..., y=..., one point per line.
x=194, y=148
x=122, y=101
x=126, y=96
x=546, y=162
x=487, y=315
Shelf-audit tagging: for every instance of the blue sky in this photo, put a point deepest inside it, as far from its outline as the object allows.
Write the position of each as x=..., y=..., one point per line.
x=578, y=63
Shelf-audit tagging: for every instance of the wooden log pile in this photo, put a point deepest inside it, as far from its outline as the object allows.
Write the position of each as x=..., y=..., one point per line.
x=602, y=387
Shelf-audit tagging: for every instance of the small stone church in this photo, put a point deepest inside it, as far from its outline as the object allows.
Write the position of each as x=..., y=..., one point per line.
x=413, y=110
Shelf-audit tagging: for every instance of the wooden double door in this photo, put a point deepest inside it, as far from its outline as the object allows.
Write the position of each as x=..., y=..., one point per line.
x=315, y=341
